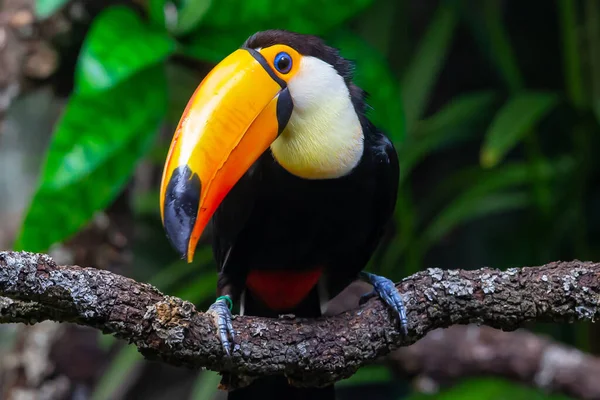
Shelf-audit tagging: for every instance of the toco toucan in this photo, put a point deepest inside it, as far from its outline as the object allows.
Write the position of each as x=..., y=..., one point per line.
x=275, y=147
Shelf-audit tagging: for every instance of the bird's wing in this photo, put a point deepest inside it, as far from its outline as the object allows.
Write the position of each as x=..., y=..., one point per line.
x=385, y=174
x=233, y=213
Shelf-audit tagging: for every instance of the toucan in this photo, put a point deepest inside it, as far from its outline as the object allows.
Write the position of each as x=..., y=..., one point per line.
x=275, y=148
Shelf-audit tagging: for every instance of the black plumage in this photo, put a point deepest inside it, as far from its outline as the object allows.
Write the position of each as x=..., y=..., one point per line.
x=274, y=220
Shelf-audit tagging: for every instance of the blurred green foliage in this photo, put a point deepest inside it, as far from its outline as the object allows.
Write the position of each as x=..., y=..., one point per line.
x=95, y=148
x=118, y=46
x=45, y=8
x=512, y=122
x=515, y=152
x=488, y=389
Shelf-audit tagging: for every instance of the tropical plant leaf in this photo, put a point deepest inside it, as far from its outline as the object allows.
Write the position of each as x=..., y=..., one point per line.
x=213, y=45
x=95, y=127
x=485, y=19
x=427, y=62
x=190, y=13
x=183, y=81
x=45, y=8
x=475, y=181
x=571, y=40
x=175, y=272
x=123, y=364
x=206, y=386
x=512, y=122
x=452, y=125
x=156, y=13
x=488, y=389
x=592, y=13
x=200, y=289
x=227, y=25
x=307, y=16
x=373, y=75
x=457, y=113
x=469, y=208
x=111, y=133
x=118, y=45
x=487, y=191
x=55, y=215
x=369, y=374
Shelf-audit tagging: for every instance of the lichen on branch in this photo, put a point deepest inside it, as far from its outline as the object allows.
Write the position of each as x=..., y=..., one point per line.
x=311, y=352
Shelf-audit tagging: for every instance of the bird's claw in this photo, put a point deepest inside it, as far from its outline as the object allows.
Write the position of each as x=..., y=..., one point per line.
x=222, y=315
x=386, y=290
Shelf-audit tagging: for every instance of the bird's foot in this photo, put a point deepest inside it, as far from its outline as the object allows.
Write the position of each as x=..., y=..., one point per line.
x=221, y=309
x=386, y=290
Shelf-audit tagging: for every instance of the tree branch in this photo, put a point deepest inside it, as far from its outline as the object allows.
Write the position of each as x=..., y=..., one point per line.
x=444, y=356
x=311, y=352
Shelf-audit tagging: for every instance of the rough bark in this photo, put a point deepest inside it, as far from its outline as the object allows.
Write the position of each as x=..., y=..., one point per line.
x=310, y=352
x=445, y=356
x=71, y=357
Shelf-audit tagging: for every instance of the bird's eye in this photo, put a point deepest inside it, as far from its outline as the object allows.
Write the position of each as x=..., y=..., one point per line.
x=283, y=62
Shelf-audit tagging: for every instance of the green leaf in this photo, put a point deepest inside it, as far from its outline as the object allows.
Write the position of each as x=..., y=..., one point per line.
x=303, y=16
x=469, y=208
x=183, y=81
x=453, y=124
x=45, y=8
x=458, y=112
x=486, y=191
x=512, y=122
x=476, y=181
x=500, y=47
x=206, y=386
x=373, y=75
x=368, y=374
x=190, y=13
x=427, y=62
x=105, y=341
x=93, y=153
x=117, y=46
x=488, y=389
x=200, y=289
x=571, y=41
x=156, y=13
x=489, y=31
x=212, y=46
x=118, y=373
x=167, y=277
x=227, y=25
x=94, y=128
x=592, y=13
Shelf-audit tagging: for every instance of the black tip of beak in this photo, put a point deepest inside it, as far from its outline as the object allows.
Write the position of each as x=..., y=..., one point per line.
x=182, y=200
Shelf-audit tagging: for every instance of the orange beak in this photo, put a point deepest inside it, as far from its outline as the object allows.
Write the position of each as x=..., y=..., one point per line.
x=234, y=115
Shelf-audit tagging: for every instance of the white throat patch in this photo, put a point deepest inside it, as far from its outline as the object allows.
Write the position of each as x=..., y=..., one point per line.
x=323, y=138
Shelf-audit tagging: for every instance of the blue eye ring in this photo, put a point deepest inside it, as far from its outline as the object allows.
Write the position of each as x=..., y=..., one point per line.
x=283, y=62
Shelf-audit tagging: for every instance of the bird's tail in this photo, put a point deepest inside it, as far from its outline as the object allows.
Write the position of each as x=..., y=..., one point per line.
x=277, y=387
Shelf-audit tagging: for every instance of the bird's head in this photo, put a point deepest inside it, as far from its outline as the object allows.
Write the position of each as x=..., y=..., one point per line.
x=281, y=90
